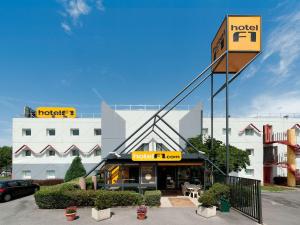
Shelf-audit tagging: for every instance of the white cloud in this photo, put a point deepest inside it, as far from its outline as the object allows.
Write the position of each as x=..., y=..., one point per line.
x=76, y=8
x=284, y=43
x=282, y=50
x=275, y=103
x=99, y=5
x=66, y=27
x=73, y=10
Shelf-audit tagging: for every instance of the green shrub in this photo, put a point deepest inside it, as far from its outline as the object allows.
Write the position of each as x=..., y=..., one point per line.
x=62, y=196
x=52, y=198
x=68, y=187
x=75, y=170
x=89, y=183
x=82, y=197
x=207, y=199
x=126, y=198
x=220, y=191
x=152, y=198
x=104, y=200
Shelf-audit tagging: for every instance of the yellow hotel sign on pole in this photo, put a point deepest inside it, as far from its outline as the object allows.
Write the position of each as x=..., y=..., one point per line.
x=55, y=112
x=241, y=37
x=156, y=156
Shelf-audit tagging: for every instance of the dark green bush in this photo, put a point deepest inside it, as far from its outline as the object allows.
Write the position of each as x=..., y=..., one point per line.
x=126, y=198
x=52, y=198
x=208, y=199
x=59, y=196
x=104, y=200
x=220, y=191
x=68, y=187
x=152, y=198
x=75, y=170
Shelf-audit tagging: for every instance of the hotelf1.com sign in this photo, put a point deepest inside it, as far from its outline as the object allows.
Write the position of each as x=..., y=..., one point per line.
x=156, y=156
x=55, y=112
x=241, y=36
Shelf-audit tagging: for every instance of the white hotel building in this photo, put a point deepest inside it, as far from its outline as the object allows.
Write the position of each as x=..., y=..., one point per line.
x=45, y=148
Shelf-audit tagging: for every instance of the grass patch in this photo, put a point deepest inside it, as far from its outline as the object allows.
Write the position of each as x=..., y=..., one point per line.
x=274, y=188
x=5, y=178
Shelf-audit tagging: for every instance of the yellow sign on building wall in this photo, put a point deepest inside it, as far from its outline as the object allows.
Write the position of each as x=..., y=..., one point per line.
x=55, y=112
x=156, y=156
x=241, y=37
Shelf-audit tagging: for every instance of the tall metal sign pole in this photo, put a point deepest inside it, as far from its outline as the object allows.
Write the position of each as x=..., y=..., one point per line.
x=239, y=37
x=227, y=103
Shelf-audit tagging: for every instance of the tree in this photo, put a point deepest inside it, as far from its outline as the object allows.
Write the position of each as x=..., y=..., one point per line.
x=75, y=170
x=5, y=158
x=238, y=158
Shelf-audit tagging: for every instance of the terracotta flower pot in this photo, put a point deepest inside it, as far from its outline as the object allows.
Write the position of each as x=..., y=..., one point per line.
x=71, y=216
x=70, y=213
x=141, y=216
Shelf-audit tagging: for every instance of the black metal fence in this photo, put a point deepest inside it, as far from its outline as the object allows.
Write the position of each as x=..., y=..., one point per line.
x=245, y=195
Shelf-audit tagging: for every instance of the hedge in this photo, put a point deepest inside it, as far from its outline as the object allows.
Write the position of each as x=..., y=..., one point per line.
x=58, y=197
x=48, y=182
x=152, y=198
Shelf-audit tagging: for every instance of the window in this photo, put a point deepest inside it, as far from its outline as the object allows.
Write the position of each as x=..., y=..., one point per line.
x=250, y=151
x=50, y=174
x=26, y=132
x=249, y=172
x=27, y=153
x=204, y=131
x=26, y=174
x=224, y=131
x=97, y=152
x=75, y=132
x=144, y=147
x=75, y=152
x=51, y=153
x=97, y=131
x=161, y=147
x=249, y=132
x=50, y=132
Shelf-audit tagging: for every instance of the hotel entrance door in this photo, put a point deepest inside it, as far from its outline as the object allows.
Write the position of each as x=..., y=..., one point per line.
x=166, y=178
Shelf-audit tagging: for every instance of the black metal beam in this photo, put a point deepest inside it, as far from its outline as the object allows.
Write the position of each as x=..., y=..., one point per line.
x=168, y=136
x=165, y=106
x=236, y=75
x=132, y=142
x=140, y=140
x=164, y=140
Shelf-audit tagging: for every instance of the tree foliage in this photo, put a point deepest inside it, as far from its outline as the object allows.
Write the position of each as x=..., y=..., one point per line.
x=75, y=170
x=238, y=158
x=5, y=157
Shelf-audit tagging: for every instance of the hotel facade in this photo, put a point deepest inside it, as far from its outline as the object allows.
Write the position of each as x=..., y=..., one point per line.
x=43, y=148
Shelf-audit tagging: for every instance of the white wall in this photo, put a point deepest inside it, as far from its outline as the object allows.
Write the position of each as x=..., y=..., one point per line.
x=61, y=141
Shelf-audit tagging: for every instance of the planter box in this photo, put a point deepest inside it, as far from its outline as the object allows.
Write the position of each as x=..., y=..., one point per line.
x=207, y=212
x=100, y=214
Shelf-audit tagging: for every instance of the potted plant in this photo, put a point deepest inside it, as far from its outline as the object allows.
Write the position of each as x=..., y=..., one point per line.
x=222, y=196
x=207, y=207
x=70, y=213
x=141, y=212
x=103, y=203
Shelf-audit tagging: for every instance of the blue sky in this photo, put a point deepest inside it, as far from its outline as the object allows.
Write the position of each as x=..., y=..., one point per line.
x=78, y=53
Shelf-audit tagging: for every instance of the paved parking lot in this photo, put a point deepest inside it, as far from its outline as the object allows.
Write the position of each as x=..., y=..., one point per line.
x=24, y=212
x=281, y=208
x=278, y=208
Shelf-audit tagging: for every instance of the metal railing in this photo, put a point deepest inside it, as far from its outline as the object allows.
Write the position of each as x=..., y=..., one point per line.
x=144, y=107
x=245, y=195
